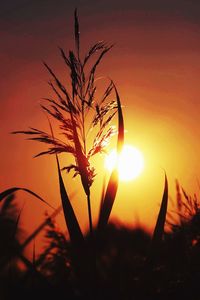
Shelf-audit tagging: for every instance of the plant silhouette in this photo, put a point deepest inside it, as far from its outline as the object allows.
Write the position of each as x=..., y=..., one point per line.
x=109, y=261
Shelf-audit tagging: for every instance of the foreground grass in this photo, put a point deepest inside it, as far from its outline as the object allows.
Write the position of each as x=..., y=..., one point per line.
x=123, y=268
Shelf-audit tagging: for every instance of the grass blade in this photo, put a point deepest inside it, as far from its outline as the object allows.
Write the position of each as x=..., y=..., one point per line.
x=80, y=257
x=159, y=228
x=120, y=141
x=75, y=233
x=110, y=195
x=7, y=203
x=10, y=191
x=113, y=181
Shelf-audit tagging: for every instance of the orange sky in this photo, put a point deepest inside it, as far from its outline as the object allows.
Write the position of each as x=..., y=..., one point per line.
x=155, y=65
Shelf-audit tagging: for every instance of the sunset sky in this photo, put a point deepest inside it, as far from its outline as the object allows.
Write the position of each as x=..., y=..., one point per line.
x=155, y=65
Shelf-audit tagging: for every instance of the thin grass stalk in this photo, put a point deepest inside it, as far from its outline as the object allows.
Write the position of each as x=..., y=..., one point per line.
x=102, y=195
x=77, y=33
x=89, y=214
x=81, y=160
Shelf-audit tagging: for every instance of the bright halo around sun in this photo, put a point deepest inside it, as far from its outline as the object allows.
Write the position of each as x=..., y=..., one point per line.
x=131, y=162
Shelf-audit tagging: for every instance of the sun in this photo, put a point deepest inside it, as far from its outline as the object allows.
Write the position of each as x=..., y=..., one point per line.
x=130, y=164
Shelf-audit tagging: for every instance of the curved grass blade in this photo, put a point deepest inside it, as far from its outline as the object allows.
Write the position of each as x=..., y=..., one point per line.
x=7, y=203
x=159, y=228
x=10, y=191
x=108, y=202
x=120, y=141
x=75, y=233
x=112, y=187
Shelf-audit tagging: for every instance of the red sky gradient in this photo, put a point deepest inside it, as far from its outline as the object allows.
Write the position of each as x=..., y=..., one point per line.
x=156, y=66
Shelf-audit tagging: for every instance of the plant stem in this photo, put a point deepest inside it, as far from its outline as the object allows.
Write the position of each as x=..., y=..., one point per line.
x=89, y=214
x=83, y=124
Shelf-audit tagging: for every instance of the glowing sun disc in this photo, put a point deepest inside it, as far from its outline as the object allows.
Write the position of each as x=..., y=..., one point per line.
x=130, y=164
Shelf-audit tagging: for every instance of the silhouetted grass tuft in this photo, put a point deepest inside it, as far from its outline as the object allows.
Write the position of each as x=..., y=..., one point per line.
x=110, y=261
x=111, y=190
x=80, y=113
x=159, y=228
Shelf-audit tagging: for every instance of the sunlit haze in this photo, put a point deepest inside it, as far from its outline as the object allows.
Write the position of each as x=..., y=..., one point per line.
x=130, y=162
